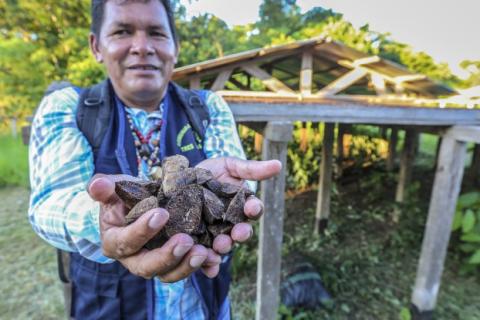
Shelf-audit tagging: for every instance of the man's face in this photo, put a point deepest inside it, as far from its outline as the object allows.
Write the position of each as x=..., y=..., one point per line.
x=137, y=47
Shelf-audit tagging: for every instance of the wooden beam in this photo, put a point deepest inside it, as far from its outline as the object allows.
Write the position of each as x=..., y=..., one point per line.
x=306, y=74
x=406, y=164
x=342, y=83
x=392, y=149
x=221, y=79
x=325, y=183
x=446, y=188
x=409, y=78
x=466, y=133
x=277, y=135
x=239, y=84
x=365, y=61
x=267, y=79
x=359, y=62
x=195, y=83
x=379, y=84
x=351, y=113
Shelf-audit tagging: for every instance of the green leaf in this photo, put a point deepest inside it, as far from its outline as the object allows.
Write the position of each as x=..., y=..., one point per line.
x=457, y=220
x=475, y=258
x=471, y=237
x=468, y=221
x=467, y=200
x=468, y=247
x=405, y=314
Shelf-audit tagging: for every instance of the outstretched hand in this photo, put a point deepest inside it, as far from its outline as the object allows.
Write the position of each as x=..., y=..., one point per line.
x=236, y=171
x=179, y=256
x=175, y=260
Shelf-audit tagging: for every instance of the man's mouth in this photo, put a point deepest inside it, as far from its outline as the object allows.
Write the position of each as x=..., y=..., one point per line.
x=143, y=67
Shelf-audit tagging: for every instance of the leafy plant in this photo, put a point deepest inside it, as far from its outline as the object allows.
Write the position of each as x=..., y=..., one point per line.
x=467, y=223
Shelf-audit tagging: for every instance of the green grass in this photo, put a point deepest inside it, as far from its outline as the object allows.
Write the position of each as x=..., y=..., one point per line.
x=13, y=162
x=30, y=285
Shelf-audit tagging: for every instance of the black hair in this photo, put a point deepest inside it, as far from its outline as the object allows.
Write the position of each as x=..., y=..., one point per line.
x=98, y=13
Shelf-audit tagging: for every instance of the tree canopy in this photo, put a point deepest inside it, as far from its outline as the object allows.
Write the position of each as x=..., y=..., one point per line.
x=43, y=41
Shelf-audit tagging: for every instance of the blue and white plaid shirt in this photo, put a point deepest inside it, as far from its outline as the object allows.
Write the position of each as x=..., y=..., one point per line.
x=61, y=165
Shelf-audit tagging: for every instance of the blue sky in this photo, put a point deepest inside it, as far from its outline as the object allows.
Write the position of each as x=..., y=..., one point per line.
x=447, y=30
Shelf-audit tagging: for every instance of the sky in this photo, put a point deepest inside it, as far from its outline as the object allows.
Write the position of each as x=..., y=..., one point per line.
x=448, y=30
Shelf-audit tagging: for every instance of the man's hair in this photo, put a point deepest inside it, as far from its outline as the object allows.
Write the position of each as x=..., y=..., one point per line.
x=98, y=13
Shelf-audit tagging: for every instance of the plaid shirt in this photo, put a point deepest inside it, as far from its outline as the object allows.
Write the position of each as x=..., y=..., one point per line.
x=61, y=164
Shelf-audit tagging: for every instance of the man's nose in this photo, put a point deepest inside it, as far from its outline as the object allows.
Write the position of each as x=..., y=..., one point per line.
x=142, y=44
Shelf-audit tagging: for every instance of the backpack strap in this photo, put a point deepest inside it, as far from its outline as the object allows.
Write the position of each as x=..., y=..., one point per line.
x=93, y=113
x=195, y=108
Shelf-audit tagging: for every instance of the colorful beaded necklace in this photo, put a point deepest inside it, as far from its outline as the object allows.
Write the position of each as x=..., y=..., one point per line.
x=144, y=151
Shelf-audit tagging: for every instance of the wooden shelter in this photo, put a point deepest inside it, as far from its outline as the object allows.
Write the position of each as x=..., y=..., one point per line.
x=320, y=80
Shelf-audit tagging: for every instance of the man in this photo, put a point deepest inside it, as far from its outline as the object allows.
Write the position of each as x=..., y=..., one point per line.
x=77, y=211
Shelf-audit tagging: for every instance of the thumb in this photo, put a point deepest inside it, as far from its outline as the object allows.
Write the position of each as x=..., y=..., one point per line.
x=253, y=170
x=101, y=188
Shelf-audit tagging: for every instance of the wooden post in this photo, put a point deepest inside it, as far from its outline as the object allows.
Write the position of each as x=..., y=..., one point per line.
x=340, y=146
x=437, y=153
x=406, y=163
x=277, y=135
x=13, y=126
x=392, y=149
x=474, y=170
x=446, y=188
x=325, y=184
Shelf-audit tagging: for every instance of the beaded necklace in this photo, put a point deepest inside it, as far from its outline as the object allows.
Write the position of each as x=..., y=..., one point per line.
x=143, y=149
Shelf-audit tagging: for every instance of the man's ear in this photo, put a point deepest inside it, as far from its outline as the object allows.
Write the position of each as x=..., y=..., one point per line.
x=94, y=43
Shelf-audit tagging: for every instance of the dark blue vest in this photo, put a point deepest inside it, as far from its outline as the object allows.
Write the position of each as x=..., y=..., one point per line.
x=110, y=291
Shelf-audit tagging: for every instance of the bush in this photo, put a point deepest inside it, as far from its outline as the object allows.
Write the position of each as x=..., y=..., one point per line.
x=467, y=224
x=13, y=162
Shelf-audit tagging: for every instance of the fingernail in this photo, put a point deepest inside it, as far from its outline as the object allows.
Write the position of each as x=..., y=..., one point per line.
x=197, y=261
x=158, y=219
x=181, y=249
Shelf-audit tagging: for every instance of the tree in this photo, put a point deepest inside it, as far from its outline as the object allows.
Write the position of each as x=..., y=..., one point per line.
x=473, y=67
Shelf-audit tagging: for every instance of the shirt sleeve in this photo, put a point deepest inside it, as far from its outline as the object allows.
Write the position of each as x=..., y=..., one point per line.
x=61, y=164
x=221, y=137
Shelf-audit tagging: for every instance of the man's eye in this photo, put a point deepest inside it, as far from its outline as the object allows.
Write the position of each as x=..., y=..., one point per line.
x=159, y=34
x=121, y=32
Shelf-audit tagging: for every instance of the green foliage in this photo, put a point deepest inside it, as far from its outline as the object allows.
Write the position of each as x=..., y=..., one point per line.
x=13, y=162
x=46, y=41
x=405, y=314
x=473, y=68
x=304, y=154
x=466, y=223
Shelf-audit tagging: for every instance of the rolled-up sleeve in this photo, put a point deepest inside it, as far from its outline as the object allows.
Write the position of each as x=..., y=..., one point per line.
x=61, y=164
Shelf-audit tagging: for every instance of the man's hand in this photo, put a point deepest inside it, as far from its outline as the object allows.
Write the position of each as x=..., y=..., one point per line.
x=236, y=171
x=175, y=260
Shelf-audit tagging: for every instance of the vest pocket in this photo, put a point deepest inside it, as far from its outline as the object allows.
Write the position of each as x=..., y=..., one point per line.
x=95, y=293
x=103, y=284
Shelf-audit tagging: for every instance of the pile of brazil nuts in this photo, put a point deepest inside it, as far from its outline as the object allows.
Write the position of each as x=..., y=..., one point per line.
x=198, y=204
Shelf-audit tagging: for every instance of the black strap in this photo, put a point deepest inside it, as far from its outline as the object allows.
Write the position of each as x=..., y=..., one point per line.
x=63, y=263
x=93, y=113
x=195, y=108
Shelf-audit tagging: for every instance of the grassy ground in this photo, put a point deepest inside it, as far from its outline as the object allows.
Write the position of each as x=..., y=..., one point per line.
x=13, y=162
x=30, y=286
x=368, y=263
x=367, y=260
